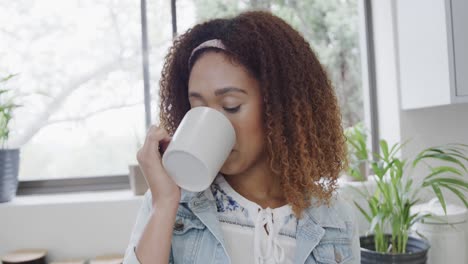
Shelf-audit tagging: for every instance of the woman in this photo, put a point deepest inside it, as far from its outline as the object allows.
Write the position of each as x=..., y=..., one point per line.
x=273, y=200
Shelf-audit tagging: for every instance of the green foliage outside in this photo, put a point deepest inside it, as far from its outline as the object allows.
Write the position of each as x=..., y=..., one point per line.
x=331, y=27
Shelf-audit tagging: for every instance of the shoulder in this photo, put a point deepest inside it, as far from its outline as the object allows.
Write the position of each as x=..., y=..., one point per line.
x=338, y=213
x=343, y=207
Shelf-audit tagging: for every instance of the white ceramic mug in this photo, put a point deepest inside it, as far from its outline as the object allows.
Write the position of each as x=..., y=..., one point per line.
x=200, y=146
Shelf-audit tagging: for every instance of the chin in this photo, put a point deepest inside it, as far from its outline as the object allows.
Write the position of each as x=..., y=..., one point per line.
x=228, y=170
x=230, y=167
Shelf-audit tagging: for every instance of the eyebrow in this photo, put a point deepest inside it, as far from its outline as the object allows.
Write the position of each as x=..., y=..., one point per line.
x=220, y=91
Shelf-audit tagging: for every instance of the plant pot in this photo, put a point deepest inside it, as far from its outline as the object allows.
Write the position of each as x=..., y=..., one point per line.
x=137, y=180
x=416, y=252
x=9, y=166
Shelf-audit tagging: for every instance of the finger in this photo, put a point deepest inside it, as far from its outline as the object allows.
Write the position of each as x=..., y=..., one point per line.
x=154, y=136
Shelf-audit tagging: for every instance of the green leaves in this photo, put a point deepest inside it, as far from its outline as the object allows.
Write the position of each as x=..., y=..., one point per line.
x=439, y=195
x=390, y=205
x=356, y=138
x=366, y=215
x=449, y=176
x=8, y=77
x=452, y=153
x=6, y=109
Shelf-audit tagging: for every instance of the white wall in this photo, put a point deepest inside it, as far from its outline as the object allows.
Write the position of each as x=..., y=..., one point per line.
x=425, y=127
x=434, y=126
x=69, y=225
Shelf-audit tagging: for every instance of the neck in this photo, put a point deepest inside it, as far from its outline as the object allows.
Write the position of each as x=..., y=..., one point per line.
x=258, y=184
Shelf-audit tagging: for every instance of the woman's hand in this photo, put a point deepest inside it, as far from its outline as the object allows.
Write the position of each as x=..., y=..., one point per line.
x=163, y=188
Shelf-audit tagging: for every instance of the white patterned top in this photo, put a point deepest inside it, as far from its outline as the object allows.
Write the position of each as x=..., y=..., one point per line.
x=253, y=234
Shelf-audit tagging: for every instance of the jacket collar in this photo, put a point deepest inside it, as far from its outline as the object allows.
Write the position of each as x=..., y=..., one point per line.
x=187, y=196
x=203, y=206
x=310, y=227
x=326, y=216
x=322, y=216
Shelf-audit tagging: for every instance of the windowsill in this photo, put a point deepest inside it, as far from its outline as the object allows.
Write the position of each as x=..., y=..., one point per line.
x=118, y=195
x=72, y=198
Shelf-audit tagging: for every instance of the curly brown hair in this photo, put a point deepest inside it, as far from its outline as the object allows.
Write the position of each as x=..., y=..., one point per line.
x=301, y=116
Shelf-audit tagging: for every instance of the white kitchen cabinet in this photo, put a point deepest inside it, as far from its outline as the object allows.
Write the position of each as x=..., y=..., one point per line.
x=432, y=43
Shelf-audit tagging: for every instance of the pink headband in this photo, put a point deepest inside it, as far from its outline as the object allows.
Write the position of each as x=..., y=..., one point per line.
x=212, y=43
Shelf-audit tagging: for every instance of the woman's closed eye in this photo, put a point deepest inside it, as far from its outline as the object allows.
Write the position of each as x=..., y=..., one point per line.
x=232, y=110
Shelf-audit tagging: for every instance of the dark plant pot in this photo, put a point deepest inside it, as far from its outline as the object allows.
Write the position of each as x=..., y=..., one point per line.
x=9, y=165
x=416, y=252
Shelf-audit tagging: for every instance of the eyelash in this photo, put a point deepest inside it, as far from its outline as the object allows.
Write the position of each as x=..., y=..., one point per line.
x=232, y=110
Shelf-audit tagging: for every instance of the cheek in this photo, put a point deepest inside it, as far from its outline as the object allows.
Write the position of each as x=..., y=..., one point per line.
x=249, y=144
x=249, y=132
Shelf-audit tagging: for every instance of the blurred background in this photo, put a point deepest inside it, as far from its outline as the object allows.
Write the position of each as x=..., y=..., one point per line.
x=86, y=74
x=80, y=74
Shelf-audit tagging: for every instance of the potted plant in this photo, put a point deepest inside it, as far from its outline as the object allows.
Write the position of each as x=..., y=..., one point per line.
x=389, y=206
x=356, y=138
x=9, y=157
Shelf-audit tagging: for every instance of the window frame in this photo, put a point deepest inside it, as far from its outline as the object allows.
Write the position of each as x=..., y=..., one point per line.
x=121, y=181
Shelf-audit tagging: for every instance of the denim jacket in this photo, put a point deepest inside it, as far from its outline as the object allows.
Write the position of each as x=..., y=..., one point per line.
x=324, y=234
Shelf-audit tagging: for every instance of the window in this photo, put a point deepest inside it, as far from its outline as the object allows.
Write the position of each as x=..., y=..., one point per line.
x=82, y=84
x=80, y=81
x=332, y=28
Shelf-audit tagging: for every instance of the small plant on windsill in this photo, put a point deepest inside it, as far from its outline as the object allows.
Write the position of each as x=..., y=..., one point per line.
x=356, y=138
x=390, y=205
x=6, y=111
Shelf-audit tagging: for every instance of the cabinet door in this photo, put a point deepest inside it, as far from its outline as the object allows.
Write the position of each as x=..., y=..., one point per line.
x=460, y=45
x=423, y=53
